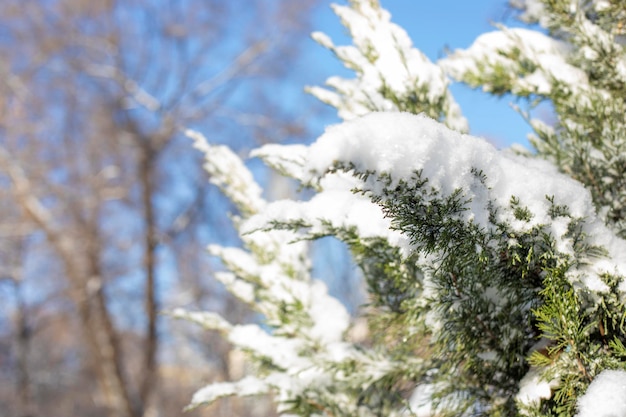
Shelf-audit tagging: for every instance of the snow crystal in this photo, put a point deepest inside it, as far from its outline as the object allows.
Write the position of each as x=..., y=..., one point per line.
x=605, y=397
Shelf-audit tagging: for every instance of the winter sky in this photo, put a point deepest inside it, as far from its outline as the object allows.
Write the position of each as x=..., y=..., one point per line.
x=435, y=26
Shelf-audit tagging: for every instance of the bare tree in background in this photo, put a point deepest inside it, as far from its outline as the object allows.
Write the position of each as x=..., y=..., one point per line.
x=99, y=188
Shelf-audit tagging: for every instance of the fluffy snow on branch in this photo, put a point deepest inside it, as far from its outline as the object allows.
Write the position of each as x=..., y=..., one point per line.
x=372, y=30
x=245, y=387
x=386, y=64
x=533, y=388
x=281, y=351
x=328, y=317
x=230, y=174
x=401, y=144
x=336, y=206
x=534, y=11
x=605, y=397
x=286, y=159
x=206, y=319
x=507, y=51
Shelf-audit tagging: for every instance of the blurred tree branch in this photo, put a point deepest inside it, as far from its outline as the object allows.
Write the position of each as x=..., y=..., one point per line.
x=92, y=94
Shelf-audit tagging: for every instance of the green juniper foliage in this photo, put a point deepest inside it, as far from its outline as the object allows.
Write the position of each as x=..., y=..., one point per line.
x=496, y=279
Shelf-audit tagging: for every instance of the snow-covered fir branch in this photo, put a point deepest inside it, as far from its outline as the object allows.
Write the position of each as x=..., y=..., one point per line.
x=496, y=279
x=390, y=74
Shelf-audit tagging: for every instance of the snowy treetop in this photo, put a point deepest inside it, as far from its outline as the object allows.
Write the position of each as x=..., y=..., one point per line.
x=508, y=52
x=390, y=72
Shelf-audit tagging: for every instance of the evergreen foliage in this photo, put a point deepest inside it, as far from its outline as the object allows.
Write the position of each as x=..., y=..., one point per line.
x=496, y=280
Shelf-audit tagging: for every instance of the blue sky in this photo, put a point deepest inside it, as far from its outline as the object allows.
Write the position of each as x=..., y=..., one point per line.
x=434, y=26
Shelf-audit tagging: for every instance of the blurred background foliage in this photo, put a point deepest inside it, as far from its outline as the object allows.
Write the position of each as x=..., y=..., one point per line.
x=105, y=210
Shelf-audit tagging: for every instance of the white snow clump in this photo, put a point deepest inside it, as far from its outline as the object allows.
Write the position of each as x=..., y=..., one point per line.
x=605, y=397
